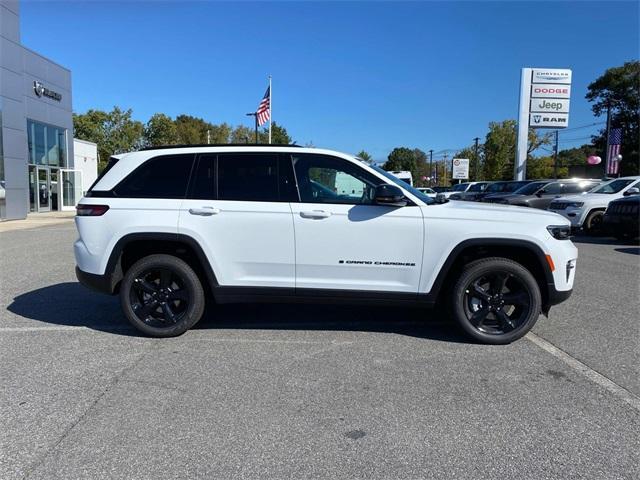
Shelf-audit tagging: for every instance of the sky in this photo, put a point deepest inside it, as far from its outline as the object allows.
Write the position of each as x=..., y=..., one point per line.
x=346, y=75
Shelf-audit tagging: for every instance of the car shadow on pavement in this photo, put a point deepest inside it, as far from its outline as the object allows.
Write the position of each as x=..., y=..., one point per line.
x=602, y=240
x=631, y=250
x=71, y=304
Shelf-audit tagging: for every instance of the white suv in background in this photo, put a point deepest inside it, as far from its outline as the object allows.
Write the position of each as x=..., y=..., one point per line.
x=168, y=227
x=586, y=210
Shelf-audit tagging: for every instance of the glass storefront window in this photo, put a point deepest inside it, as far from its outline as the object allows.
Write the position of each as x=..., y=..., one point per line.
x=47, y=144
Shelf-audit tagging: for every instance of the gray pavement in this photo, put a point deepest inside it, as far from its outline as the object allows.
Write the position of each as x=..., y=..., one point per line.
x=291, y=391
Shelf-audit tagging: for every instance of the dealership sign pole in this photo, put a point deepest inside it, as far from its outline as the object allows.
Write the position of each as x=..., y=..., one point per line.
x=544, y=103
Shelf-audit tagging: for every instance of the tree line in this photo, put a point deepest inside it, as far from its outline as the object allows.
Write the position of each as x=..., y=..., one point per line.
x=117, y=132
x=618, y=88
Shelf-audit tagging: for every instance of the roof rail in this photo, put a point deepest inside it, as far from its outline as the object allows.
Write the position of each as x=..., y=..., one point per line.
x=160, y=147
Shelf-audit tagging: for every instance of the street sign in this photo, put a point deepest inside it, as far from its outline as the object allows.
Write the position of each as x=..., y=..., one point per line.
x=552, y=105
x=548, y=120
x=460, y=169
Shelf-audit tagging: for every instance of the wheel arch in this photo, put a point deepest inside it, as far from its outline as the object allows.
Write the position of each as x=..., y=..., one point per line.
x=134, y=246
x=525, y=252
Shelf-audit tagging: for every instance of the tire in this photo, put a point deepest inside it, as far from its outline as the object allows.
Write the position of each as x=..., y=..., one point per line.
x=162, y=296
x=593, y=223
x=479, y=300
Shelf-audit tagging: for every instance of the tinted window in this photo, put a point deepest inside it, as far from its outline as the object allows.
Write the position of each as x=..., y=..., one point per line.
x=203, y=181
x=159, y=177
x=478, y=187
x=578, y=187
x=554, y=188
x=613, y=186
x=248, y=177
x=323, y=179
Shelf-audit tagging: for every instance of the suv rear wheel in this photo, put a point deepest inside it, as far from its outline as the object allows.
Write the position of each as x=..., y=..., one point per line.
x=162, y=296
x=496, y=300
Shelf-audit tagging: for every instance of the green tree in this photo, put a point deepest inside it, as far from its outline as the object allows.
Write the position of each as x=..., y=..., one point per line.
x=114, y=131
x=421, y=169
x=192, y=130
x=500, y=149
x=243, y=134
x=160, y=130
x=542, y=167
x=401, y=158
x=619, y=87
x=364, y=155
x=278, y=135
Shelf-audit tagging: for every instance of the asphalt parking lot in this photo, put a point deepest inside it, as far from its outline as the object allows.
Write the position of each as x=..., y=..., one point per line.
x=289, y=391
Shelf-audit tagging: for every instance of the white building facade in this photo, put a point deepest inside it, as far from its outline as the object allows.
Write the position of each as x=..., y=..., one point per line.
x=36, y=141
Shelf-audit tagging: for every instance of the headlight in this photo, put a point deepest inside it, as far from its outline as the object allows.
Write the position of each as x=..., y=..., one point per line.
x=560, y=232
x=575, y=204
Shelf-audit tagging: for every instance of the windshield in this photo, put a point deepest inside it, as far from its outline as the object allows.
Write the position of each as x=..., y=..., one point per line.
x=460, y=187
x=614, y=186
x=530, y=188
x=478, y=187
x=405, y=185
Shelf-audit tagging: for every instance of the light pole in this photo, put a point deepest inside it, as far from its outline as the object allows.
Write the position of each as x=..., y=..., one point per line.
x=255, y=115
x=475, y=140
x=430, y=167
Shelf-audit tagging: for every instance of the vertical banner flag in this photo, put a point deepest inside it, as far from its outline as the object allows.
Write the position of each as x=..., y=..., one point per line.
x=615, y=139
x=264, y=109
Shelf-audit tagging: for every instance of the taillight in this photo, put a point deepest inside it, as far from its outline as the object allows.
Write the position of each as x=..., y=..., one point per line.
x=85, y=210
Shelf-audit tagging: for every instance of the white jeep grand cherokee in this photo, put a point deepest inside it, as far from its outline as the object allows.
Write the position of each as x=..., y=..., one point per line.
x=169, y=227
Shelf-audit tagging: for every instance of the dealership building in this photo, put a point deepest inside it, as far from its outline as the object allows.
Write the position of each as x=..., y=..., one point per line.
x=38, y=169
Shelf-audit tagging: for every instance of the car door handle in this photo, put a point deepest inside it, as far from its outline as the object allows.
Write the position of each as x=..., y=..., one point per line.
x=315, y=214
x=204, y=211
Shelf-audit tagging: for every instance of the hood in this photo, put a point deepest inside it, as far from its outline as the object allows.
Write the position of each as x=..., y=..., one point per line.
x=499, y=212
x=505, y=196
x=585, y=197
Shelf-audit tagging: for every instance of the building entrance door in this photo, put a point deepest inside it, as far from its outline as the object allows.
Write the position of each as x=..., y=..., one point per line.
x=43, y=191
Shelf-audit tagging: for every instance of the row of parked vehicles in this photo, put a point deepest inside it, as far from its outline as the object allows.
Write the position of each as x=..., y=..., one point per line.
x=594, y=206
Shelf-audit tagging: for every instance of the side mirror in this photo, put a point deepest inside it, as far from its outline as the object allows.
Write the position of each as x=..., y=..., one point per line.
x=632, y=191
x=390, y=196
x=539, y=193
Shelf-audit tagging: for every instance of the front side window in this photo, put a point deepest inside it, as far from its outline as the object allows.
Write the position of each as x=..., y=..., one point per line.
x=554, y=188
x=248, y=177
x=324, y=179
x=477, y=187
x=166, y=176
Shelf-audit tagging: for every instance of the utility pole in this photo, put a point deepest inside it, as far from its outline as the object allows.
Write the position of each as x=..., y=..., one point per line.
x=255, y=115
x=475, y=140
x=606, y=152
x=430, y=167
x=208, y=137
x=555, y=157
x=444, y=169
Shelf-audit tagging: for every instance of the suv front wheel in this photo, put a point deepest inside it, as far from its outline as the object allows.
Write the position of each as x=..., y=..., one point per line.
x=496, y=300
x=162, y=296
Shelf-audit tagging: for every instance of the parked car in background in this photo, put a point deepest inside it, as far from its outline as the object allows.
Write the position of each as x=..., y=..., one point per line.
x=540, y=193
x=586, y=211
x=430, y=192
x=500, y=187
x=622, y=217
x=403, y=175
x=460, y=191
x=441, y=189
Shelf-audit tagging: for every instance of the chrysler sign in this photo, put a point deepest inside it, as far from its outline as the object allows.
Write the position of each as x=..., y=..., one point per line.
x=551, y=75
x=42, y=91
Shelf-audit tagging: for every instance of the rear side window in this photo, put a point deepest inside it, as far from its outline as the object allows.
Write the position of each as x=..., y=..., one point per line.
x=249, y=177
x=204, y=180
x=578, y=187
x=160, y=177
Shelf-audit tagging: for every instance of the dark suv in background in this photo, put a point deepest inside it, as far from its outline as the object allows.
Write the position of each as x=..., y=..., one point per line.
x=540, y=193
x=622, y=218
x=499, y=187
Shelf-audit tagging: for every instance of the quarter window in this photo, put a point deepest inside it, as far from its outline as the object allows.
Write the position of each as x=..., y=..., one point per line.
x=248, y=177
x=160, y=177
x=324, y=179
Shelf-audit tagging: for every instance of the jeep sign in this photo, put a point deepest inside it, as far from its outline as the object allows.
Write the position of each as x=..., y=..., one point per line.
x=549, y=105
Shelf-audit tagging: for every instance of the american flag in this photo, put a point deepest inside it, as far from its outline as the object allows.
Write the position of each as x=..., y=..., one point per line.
x=264, y=109
x=615, y=139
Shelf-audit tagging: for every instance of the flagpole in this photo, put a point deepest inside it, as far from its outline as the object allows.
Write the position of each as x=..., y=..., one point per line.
x=270, y=108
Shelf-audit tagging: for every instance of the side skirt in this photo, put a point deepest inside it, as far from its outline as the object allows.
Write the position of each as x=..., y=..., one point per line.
x=313, y=295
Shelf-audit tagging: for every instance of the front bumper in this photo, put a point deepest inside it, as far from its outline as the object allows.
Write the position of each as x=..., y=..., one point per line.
x=574, y=215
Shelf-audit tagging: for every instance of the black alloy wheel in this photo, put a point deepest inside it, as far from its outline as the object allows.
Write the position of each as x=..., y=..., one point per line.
x=159, y=297
x=496, y=300
x=162, y=296
x=497, y=303
x=595, y=222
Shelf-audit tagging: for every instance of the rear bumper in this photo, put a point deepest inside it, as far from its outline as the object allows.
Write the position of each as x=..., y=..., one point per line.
x=96, y=282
